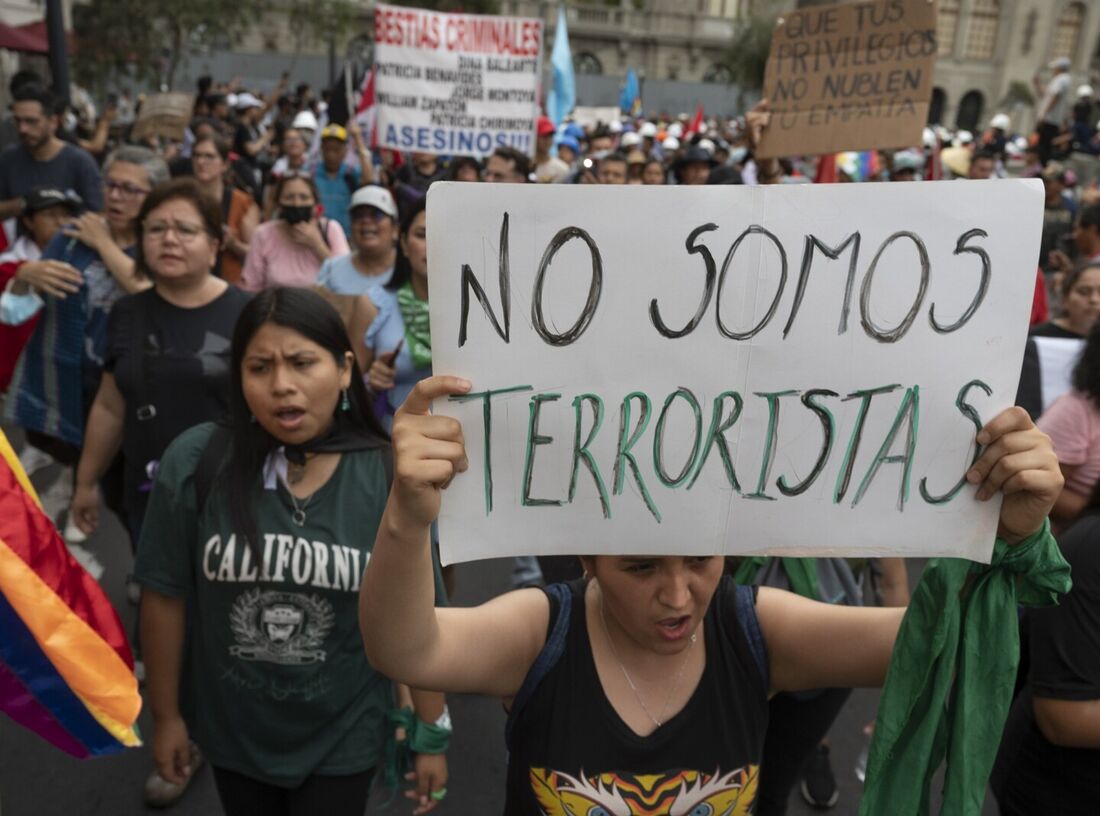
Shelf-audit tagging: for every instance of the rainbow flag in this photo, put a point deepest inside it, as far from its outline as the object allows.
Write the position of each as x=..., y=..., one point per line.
x=66, y=671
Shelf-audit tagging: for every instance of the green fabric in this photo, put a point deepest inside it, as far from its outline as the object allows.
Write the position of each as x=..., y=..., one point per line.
x=420, y=738
x=418, y=335
x=801, y=573
x=278, y=686
x=398, y=754
x=429, y=738
x=951, y=677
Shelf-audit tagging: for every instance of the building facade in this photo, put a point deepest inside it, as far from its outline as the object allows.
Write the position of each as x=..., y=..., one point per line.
x=989, y=50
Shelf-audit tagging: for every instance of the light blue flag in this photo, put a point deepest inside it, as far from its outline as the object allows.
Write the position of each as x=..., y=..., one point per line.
x=563, y=93
x=630, y=99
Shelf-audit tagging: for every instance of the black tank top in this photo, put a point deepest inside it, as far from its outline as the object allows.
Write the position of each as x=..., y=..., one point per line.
x=571, y=753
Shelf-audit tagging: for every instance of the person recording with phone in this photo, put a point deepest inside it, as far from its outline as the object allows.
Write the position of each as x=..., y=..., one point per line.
x=289, y=249
x=389, y=325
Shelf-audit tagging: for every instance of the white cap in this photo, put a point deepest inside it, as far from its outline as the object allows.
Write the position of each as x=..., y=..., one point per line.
x=246, y=100
x=305, y=120
x=1000, y=121
x=374, y=196
x=964, y=137
x=671, y=143
x=707, y=145
x=615, y=126
x=676, y=130
x=648, y=130
x=630, y=139
x=1062, y=63
x=928, y=137
x=1084, y=91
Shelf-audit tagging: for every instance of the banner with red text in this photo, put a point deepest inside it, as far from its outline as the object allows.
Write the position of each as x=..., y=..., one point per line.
x=460, y=84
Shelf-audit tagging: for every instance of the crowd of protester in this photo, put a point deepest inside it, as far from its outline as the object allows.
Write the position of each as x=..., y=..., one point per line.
x=269, y=270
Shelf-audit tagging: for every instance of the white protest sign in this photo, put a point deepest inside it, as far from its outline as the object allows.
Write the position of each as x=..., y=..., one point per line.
x=458, y=84
x=795, y=370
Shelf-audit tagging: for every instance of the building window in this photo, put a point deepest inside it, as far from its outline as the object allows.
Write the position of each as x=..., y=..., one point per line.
x=935, y=109
x=718, y=74
x=981, y=38
x=1067, y=32
x=586, y=63
x=947, y=25
x=970, y=110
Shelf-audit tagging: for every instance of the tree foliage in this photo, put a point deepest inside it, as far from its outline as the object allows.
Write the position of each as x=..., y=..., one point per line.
x=148, y=40
x=747, y=55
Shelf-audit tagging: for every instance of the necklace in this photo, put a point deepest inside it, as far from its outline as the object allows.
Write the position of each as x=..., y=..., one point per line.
x=657, y=721
x=299, y=514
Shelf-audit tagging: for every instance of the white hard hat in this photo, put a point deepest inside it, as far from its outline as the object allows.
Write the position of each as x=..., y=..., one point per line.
x=648, y=130
x=671, y=143
x=964, y=137
x=1084, y=91
x=928, y=137
x=1000, y=121
x=630, y=139
x=305, y=120
x=245, y=100
x=676, y=130
x=615, y=126
x=707, y=145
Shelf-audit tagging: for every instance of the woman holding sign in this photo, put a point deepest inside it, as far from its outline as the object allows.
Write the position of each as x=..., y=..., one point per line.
x=650, y=678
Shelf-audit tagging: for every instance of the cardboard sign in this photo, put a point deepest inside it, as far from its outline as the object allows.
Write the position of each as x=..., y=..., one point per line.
x=797, y=370
x=164, y=114
x=457, y=84
x=855, y=76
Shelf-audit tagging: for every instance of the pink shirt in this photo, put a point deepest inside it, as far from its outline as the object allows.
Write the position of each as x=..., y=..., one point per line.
x=1073, y=424
x=275, y=260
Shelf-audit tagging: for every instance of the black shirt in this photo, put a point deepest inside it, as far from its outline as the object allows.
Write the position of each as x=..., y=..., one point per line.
x=180, y=379
x=572, y=752
x=1039, y=777
x=1029, y=394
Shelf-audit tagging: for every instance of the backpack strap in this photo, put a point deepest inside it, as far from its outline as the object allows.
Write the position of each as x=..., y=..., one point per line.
x=350, y=180
x=561, y=600
x=745, y=604
x=210, y=462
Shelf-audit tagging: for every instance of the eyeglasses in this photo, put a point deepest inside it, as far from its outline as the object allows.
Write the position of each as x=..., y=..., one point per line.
x=124, y=189
x=158, y=230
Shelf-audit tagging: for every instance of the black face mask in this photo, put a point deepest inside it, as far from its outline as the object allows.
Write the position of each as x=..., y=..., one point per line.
x=297, y=215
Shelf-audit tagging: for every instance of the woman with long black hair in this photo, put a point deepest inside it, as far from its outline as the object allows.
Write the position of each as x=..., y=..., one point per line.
x=262, y=529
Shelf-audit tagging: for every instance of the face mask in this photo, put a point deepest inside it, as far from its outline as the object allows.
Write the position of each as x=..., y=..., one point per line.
x=297, y=215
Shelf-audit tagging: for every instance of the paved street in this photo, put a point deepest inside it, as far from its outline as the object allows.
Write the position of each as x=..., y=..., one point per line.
x=36, y=780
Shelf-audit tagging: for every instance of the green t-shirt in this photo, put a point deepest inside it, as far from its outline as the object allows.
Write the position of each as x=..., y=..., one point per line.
x=277, y=684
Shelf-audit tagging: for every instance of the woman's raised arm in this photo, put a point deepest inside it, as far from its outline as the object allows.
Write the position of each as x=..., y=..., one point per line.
x=486, y=649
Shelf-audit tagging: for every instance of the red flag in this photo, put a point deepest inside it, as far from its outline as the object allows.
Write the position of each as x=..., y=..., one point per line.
x=365, y=110
x=697, y=122
x=935, y=164
x=826, y=169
